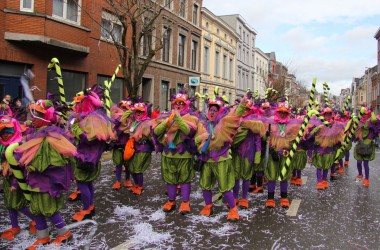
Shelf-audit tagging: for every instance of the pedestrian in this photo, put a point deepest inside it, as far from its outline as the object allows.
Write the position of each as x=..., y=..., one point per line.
x=47, y=155
x=246, y=152
x=139, y=147
x=117, y=111
x=5, y=108
x=92, y=130
x=14, y=200
x=176, y=134
x=364, y=150
x=327, y=139
x=214, y=137
x=283, y=132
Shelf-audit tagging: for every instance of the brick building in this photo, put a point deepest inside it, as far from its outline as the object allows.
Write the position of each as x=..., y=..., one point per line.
x=33, y=32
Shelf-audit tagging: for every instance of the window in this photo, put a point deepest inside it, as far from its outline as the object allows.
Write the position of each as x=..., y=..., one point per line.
x=67, y=9
x=74, y=82
x=243, y=36
x=117, y=90
x=239, y=79
x=168, y=4
x=182, y=8
x=180, y=86
x=146, y=44
x=195, y=14
x=111, y=27
x=231, y=69
x=164, y=92
x=27, y=5
x=216, y=71
x=230, y=98
x=194, y=51
x=224, y=67
x=206, y=60
x=181, y=49
x=166, y=44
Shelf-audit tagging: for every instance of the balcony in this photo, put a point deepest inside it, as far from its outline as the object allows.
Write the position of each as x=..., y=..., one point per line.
x=45, y=31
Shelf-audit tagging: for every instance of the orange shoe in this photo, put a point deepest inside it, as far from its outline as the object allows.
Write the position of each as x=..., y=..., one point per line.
x=365, y=182
x=320, y=186
x=258, y=190
x=346, y=163
x=341, y=170
x=10, y=234
x=81, y=215
x=116, y=185
x=169, y=206
x=252, y=187
x=233, y=214
x=207, y=210
x=243, y=203
x=137, y=190
x=92, y=209
x=285, y=203
x=184, y=208
x=359, y=177
x=74, y=196
x=270, y=203
x=299, y=182
x=326, y=184
x=62, y=238
x=128, y=183
x=32, y=227
x=293, y=180
x=40, y=241
x=333, y=177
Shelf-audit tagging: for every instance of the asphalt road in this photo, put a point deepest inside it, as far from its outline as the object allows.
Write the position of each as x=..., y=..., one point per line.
x=346, y=216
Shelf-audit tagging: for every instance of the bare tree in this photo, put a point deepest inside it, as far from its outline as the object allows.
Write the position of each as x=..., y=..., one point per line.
x=136, y=29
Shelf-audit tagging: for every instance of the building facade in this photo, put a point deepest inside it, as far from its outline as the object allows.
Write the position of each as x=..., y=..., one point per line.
x=177, y=65
x=261, y=71
x=245, y=70
x=82, y=35
x=218, y=64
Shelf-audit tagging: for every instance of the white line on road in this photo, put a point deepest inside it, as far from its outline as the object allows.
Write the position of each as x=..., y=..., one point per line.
x=214, y=198
x=126, y=245
x=304, y=179
x=293, y=209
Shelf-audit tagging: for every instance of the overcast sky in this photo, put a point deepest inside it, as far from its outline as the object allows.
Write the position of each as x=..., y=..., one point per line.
x=332, y=40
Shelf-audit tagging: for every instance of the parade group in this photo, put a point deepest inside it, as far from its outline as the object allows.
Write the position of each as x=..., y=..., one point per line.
x=234, y=146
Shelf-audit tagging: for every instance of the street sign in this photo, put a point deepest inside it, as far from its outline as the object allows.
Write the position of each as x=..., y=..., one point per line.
x=194, y=80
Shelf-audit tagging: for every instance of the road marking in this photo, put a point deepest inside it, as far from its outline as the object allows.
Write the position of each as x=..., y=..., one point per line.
x=125, y=245
x=304, y=179
x=293, y=209
x=214, y=198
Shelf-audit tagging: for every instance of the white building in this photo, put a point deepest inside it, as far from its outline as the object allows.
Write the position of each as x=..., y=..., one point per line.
x=245, y=66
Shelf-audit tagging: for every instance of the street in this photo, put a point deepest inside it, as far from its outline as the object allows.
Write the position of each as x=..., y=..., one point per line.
x=346, y=216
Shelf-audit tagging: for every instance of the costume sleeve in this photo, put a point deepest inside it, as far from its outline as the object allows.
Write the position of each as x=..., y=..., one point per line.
x=126, y=114
x=160, y=128
x=182, y=125
x=240, y=136
x=258, y=149
x=240, y=110
x=77, y=131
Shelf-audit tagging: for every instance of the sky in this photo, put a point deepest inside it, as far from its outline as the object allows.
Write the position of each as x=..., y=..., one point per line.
x=332, y=40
